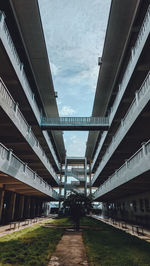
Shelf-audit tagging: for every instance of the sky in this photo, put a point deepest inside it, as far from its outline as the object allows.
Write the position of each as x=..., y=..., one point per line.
x=74, y=33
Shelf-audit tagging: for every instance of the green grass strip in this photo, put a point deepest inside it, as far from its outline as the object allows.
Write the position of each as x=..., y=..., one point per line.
x=108, y=246
x=31, y=246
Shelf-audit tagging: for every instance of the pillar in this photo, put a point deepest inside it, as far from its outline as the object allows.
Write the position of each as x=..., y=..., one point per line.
x=85, y=174
x=2, y=194
x=21, y=207
x=65, y=183
x=27, y=207
x=90, y=178
x=11, y=209
x=60, y=189
x=32, y=209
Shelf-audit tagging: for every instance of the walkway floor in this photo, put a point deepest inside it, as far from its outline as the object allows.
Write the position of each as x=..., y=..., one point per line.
x=70, y=251
x=4, y=230
x=125, y=227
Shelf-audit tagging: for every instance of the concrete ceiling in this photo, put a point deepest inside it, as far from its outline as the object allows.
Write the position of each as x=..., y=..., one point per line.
x=121, y=18
x=29, y=23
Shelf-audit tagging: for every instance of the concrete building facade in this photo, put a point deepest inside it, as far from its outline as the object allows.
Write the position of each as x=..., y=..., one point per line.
x=33, y=160
x=120, y=157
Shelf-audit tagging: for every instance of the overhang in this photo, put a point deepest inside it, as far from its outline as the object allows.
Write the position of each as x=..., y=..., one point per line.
x=29, y=23
x=121, y=18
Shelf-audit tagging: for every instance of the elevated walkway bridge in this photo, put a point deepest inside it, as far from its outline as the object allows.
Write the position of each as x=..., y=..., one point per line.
x=75, y=123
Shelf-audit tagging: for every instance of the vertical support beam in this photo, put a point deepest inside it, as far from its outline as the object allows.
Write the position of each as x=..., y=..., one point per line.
x=90, y=178
x=12, y=203
x=2, y=194
x=27, y=207
x=32, y=209
x=60, y=189
x=65, y=191
x=21, y=206
x=85, y=174
x=38, y=208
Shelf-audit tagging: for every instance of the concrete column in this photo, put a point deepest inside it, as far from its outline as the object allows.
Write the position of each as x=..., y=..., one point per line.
x=38, y=209
x=21, y=207
x=85, y=174
x=27, y=207
x=60, y=189
x=2, y=194
x=65, y=192
x=11, y=210
x=90, y=178
x=32, y=210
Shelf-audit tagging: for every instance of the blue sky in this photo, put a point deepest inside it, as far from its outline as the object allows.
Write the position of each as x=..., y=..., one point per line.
x=74, y=32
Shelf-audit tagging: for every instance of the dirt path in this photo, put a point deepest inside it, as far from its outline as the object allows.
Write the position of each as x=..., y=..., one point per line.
x=70, y=251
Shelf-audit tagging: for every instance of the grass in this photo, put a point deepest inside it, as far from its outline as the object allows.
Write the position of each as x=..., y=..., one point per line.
x=108, y=246
x=31, y=246
x=66, y=221
x=105, y=245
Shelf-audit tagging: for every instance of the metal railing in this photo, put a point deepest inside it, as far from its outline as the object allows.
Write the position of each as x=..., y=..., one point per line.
x=19, y=165
x=136, y=51
x=26, y=128
x=20, y=71
x=75, y=121
x=118, y=178
x=142, y=93
x=51, y=148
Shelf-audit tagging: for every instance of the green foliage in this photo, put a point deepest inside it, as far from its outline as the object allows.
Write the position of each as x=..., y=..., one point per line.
x=30, y=246
x=78, y=204
x=106, y=245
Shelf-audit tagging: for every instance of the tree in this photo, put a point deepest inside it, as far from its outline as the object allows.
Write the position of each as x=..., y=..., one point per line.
x=78, y=205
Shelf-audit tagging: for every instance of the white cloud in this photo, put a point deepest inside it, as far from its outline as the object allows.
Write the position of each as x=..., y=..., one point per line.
x=59, y=102
x=75, y=32
x=54, y=69
x=76, y=146
x=67, y=111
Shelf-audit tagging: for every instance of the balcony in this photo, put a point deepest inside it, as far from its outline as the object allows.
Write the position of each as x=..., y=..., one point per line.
x=10, y=107
x=134, y=167
x=12, y=166
x=135, y=55
x=140, y=101
x=19, y=70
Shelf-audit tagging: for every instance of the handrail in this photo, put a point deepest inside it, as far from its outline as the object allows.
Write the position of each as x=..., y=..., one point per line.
x=136, y=157
x=18, y=163
x=21, y=73
x=139, y=94
x=75, y=120
x=26, y=127
x=133, y=59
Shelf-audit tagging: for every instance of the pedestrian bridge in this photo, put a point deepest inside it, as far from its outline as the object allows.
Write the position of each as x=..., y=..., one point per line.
x=75, y=123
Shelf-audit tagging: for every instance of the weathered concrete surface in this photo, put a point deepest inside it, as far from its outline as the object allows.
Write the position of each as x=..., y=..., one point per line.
x=70, y=251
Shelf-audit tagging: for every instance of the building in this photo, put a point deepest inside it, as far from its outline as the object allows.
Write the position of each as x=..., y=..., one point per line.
x=29, y=157
x=33, y=160
x=120, y=156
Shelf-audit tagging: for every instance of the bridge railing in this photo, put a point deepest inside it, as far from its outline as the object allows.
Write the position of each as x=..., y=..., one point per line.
x=75, y=121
